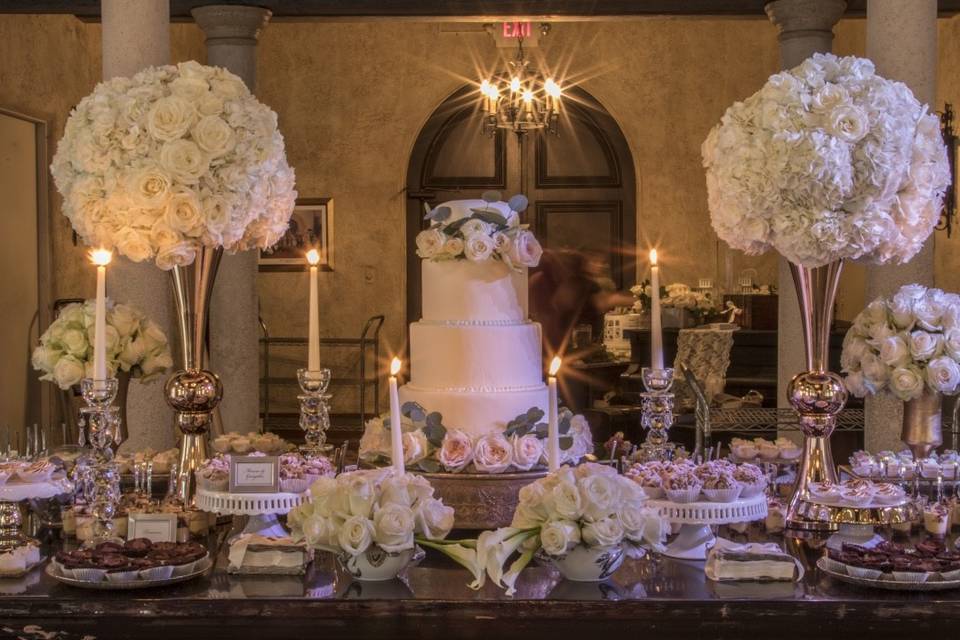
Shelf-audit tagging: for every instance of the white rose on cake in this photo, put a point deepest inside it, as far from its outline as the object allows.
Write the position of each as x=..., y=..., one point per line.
x=527, y=451
x=526, y=250
x=456, y=451
x=415, y=447
x=492, y=453
x=478, y=247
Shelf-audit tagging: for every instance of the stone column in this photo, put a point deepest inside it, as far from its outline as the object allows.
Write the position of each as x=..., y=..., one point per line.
x=136, y=35
x=806, y=27
x=902, y=42
x=231, y=33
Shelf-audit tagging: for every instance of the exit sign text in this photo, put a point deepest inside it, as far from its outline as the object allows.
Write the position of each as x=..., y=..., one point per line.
x=517, y=30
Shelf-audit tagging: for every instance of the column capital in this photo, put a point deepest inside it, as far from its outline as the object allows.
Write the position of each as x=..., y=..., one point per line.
x=796, y=18
x=231, y=24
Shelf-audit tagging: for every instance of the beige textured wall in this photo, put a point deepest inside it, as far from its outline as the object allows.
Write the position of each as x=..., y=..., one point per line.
x=351, y=98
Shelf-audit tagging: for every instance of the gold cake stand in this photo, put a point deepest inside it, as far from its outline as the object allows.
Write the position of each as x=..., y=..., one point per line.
x=481, y=500
x=825, y=516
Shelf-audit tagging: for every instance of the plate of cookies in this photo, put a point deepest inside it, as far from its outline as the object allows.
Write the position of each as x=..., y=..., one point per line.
x=135, y=564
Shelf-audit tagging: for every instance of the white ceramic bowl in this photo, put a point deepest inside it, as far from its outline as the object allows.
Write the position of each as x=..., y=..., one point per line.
x=375, y=564
x=589, y=564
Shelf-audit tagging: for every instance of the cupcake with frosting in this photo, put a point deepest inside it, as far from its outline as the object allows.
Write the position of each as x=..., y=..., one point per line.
x=789, y=450
x=768, y=450
x=888, y=493
x=825, y=490
x=682, y=485
x=40, y=471
x=752, y=478
x=722, y=487
x=743, y=449
x=857, y=491
x=650, y=478
x=214, y=475
x=316, y=467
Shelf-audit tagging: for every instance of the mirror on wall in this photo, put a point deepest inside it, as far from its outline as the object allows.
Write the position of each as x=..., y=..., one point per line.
x=24, y=287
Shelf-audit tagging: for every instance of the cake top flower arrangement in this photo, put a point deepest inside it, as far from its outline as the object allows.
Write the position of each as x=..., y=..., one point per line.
x=173, y=158
x=488, y=229
x=905, y=343
x=135, y=344
x=827, y=161
x=429, y=445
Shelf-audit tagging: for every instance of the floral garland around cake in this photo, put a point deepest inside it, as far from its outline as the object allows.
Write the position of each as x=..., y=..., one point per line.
x=431, y=447
x=135, y=344
x=827, y=161
x=905, y=343
x=175, y=157
x=487, y=234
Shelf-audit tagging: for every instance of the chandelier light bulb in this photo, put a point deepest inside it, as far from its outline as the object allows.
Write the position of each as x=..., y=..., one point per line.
x=485, y=87
x=528, y=96
x=552, y=88
x=515, y=84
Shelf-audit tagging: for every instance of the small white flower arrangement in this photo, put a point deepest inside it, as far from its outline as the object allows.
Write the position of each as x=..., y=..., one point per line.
x=492, y=232
x=589, y=506
x=827, y=161
x=430, y=446
x=905, y=343
x=676, y=295
x=175, y=157
x=135, y=344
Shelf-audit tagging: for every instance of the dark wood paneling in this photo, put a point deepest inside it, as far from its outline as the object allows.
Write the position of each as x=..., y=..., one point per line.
x=609, y=212
x=590, y=132
x=438, y=149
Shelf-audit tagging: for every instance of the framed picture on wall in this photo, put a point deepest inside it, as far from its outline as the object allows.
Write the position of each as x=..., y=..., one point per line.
x=311, y=227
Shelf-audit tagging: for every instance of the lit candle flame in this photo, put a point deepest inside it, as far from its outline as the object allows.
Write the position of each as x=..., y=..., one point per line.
x=515, y=84
x=485, y=87
x=313, y=257
x=555, y=365
x=653, y=257
x=100, y=257
x=552, y=88
x=395, y=366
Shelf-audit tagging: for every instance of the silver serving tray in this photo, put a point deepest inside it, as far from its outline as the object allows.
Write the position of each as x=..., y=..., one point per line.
x=888, y=584
x=106, y=585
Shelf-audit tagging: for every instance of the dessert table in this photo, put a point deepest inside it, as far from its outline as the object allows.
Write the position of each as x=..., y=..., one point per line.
x=671, y=597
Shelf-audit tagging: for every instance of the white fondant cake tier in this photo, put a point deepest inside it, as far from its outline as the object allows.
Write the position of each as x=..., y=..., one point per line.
x=476, y=413
x=462, y=291
x=480, y=358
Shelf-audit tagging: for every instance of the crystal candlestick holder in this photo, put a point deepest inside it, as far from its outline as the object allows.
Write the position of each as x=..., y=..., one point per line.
x=656, y=415
x=101, y=420
x=314, y=411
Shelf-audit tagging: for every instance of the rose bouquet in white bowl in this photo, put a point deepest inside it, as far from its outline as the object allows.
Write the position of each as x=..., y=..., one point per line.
x=373, y=520
x=136, y=345
x=584, y=520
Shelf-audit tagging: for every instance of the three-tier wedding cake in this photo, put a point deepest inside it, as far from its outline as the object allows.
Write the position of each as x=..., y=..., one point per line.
x=476, y=398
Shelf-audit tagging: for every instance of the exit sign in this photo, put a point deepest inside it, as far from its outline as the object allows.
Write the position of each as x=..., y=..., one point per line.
x=517, y=30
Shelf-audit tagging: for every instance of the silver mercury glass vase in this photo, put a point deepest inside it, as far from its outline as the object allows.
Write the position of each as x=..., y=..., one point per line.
x=193, y=392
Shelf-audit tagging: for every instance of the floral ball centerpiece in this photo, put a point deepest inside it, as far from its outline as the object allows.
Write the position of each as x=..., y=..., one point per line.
x=173, y=158
x=135, y=345
x=827, y=161
x=906, y=343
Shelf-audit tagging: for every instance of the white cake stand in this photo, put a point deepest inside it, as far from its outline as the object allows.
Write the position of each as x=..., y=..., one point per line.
x=261, y=508
x=11, y=495
x=695, y=518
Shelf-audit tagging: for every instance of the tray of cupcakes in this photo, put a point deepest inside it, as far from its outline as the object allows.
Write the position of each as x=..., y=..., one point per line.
x=135, y=564
x=928, y=566
x=781, y=451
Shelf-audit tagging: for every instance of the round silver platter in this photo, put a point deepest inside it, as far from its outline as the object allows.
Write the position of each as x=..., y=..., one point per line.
x=204, y=565
x=888, y=584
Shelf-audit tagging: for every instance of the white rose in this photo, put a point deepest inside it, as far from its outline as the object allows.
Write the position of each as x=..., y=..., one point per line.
x=641, y=524
x=319, y=531
x=854, y=348
x=607, y=532
x=184, y=161
x=210, y=104
x=430, y=242
x=456, y=451
x=849, y=123
x=176, y=255
x=131, y=354
x=534, y=499
x=474, y=226
x=924, y=346
x=943, y=375
x=559, y=537
x=951, y=343
x=434, y=519
x=415, y=447
x=361, y=494
x=45, y=358
x=567, y=501
x=453, y=247
x=124, y=319
x=894, y=352
x=134, y=244
x=184, y=213
x=526, y=251
x=170, y=118
x=912, y=292
x=502, y=242
x=228, y=85
x=189, y=87
x=478, y=247
x=75, y=342
x=68, y=372
x=213, y=135
x=874, y=370
x=906, y=383
x=148, y=186
x=856, y=384
x=156, y=362
x=600, y=495
x=929, y=314
x=527, y=451
x=901, y=309
x=355, y=535
x=492, y=453
x=828, y=96
x=393, y=528
x=582, y=439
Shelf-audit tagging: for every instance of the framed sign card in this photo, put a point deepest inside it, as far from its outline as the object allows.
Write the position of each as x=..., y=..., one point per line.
x=156, y=527
x=254, y=474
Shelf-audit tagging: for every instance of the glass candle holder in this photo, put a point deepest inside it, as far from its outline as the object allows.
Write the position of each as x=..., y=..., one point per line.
x=101, y=420
x=314, y=411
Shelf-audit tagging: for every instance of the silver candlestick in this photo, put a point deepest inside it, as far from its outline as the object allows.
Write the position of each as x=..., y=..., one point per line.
x=656, y=413
x=314, y=411
x=101, y=419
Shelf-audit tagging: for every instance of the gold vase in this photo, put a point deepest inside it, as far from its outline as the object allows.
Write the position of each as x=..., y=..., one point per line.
x=817, y=394
x=921, y=424
x=193, y=392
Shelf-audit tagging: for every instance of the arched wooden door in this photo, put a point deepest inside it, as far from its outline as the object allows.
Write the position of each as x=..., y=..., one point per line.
x=581, y=184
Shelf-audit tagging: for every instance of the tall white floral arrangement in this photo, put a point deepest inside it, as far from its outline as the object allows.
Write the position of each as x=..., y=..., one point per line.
x=905, y=343
x=175, y=157
x=827, y=161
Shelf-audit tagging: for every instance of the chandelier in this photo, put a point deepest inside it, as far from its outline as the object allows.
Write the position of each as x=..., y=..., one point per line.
x=520, y=99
